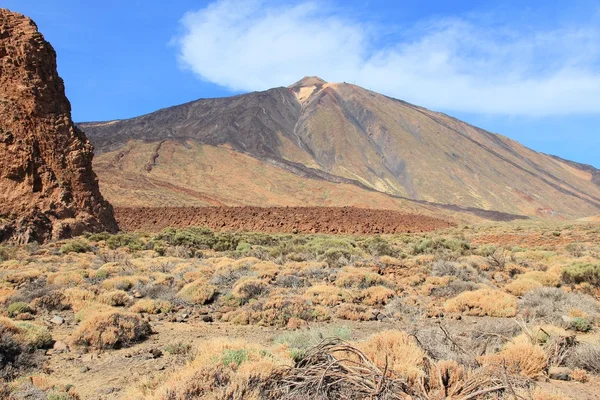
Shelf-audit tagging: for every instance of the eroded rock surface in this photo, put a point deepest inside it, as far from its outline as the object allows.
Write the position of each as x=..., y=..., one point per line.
x=47, y=186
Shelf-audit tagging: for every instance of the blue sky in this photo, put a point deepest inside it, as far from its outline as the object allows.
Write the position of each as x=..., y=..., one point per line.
x=529, y=72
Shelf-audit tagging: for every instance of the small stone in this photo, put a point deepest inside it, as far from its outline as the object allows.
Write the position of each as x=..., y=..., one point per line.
x=160, y=367
x=85, y=369
x=156, y=353
x=207, y=318
x=57, y=320
x=381, y=317
x=137, y=294
x=60, y=347
x=559, y=373
x=182, y=317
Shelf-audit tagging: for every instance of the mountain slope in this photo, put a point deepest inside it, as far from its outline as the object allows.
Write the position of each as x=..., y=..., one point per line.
x=334, y=135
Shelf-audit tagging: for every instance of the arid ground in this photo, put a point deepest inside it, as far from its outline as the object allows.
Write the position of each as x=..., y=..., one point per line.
x=498, y=310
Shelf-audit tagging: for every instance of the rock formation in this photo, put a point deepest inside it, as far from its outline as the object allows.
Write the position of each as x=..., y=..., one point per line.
x=47, y=187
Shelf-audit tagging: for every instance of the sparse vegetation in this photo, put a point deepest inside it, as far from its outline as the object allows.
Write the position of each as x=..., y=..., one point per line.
x=419, y=306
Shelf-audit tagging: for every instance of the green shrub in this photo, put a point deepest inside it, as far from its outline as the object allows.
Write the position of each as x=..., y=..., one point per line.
x=131, y=241
x=17, y=308
x=97, y=237
x=581, y=324
x=75, y=246
x=234, y=357
x=582, y=273
x=35, y=336
x=456, y=246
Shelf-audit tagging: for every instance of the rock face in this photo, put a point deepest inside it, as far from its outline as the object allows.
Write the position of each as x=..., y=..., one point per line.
x=47, y=186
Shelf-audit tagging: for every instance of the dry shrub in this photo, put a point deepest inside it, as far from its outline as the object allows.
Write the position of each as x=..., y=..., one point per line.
x=53, y=301
x=111, y=330
x=277, y=310
x=334, y=369
x=326, y=295
x=198, y=292
x=543, y=277
x=358, y=278
x=19, y=278
x=266, y=269
x=79, y=298
x=483, y=302
x=519, y=357
x=580, y=375
x=586, y=356
x=397, y=350
x=222, y=369
x=6, y=293
x=115, y=298
x=250, y=288
x=551, y=304
x=123, y=282
x=67, y=278
x=150, y=306
x=519, y=287
x=377, y=295
x=354, y=312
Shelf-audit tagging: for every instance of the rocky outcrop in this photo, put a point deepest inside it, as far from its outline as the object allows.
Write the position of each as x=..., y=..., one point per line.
x=47, y=187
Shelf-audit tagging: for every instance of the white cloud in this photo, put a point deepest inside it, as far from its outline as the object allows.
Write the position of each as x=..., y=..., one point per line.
x=454, y=64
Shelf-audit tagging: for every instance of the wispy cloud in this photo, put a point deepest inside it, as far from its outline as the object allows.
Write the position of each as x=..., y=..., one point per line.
x=447, y=64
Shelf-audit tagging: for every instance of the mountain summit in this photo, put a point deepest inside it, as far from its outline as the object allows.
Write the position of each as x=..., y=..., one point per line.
x=320, y=143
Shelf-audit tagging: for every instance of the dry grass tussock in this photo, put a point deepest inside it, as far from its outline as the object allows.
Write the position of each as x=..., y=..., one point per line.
x=111, y=330
x=483, y=302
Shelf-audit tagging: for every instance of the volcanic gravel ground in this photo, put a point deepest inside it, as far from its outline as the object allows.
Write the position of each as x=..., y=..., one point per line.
x=333, y=220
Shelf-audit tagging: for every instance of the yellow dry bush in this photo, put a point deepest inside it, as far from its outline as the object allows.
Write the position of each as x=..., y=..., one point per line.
x=123, y=282
x=196, y=274
x=520, y=357
x=580, y=375
x=220, y=262
x=18, y=278
x=266, y=269
x=78, y=298
x=197, y=292
x=115, y=298
x=359, y=278
x=483, y=302
x=520, y=286
x=5, y=294
x=160, y=278
x=111, y=330
x=391, y=261
x=377, y=295
x=326, y=295
x=150, y=306
x=403, y=357
x=248, y=370
x=9, y=325
x=354, y=312
x=543, y=277
x=249, y=288
x=245, y=262
x=67, y=278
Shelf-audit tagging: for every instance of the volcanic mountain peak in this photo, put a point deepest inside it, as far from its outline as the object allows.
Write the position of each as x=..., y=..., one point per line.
x=308, y=81
x=337, y=134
